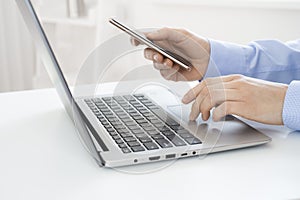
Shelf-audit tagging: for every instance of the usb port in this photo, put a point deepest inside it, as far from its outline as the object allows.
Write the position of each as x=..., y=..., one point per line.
x=154, y=158
x=184, y=154
x=170, y=156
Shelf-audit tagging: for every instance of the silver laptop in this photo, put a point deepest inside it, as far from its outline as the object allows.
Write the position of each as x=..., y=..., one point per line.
x=130, y=129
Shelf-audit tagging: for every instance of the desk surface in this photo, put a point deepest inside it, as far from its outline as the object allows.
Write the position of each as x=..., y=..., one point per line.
x=42, y=158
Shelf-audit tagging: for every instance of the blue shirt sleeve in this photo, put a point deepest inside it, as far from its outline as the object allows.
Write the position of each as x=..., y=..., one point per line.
x=270, y=60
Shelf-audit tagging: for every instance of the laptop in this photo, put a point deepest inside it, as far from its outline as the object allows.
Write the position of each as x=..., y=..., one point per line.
x=131, y=129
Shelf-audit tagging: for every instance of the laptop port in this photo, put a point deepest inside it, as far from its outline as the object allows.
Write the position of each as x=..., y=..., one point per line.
x=170, y=156
x=184, y=154
x=154, y=158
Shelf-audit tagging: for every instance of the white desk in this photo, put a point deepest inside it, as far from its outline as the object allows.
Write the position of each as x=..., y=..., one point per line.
x=42, y=158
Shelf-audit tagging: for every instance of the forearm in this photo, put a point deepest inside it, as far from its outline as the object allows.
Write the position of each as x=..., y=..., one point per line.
x=265, y=59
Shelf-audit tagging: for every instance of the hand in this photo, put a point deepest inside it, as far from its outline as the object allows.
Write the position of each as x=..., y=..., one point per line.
x=253, y=99
x=191, y=47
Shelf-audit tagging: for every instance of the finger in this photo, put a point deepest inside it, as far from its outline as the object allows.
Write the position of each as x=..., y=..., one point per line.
x=216, y=97
x=194, y=92
x=153, y=55
x=174, y=77
x=165, y=34
x=210, y=98
x=166, y=64
x=134, y=42
x=227, y=108
x=195, y=110
x=197, y=103
x=168, y=73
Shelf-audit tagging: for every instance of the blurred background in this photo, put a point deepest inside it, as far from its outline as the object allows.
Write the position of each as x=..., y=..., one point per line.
x=76, y=27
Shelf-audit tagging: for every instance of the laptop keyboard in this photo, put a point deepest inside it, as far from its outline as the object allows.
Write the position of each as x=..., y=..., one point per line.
x=136, y=124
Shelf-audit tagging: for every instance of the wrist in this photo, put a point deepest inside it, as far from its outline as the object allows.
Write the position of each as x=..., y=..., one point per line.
x=281, y=94
x=291, y=106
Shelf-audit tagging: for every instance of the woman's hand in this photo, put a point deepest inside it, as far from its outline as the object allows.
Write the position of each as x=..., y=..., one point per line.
x=250, y=98
x=179, y=41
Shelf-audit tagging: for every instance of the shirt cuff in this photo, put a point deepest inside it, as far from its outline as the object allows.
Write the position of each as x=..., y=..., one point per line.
x=225, y=58
x=291, y=106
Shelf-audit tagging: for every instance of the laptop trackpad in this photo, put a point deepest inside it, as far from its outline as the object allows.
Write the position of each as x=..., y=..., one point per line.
x=228, y=131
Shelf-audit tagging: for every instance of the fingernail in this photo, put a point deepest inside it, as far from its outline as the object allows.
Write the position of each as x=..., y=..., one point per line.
x=185, y=99
x=155, y=57
x=150, y=34
x=147, y=55
x=166, y=64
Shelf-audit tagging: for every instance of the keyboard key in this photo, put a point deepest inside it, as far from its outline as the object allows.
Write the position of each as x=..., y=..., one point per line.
x=139, y=95
x=106, y=98
x=119, y=127
x=145, y=125
x=130, y=139
x=164, y=143
x=116, y=123
x=137, y=131
x=137, y=117
x=150, y=128
x=125, y=150
x=150, y=146
x=193, y=140
x=171, y=122
x=133, y=144
x=130, y=123
x=113, y=133
x=128, y=97
x=141, y=135
x=116, y=137
x=166, y=133
x=157, y=137
x=119, y=141
x=152, y=107
x=159, y=125
x=141, y=121
x=118, y=98
x=153, y=132
x=122, y=145
x=185, y=134
x=145, y=139
x=176, y=140
x=177, y=128
x=127, y=119
x=124, y=135
x=164, y=128
x=181, y=131
x=134, y=127
x=104, y=122
x=110, y=129
x=147, y=114
x=137, y=148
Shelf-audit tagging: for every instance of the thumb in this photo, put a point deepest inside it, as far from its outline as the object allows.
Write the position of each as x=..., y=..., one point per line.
x=164, y=34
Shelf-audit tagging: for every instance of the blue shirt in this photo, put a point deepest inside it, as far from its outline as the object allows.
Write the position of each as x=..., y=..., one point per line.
x=270, y=60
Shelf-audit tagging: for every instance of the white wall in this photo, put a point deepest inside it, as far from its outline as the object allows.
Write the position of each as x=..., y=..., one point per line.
x=236, y=21
x=73, y=39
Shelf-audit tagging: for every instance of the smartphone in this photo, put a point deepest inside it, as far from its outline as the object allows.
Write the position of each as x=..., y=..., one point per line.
x=143, y=40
